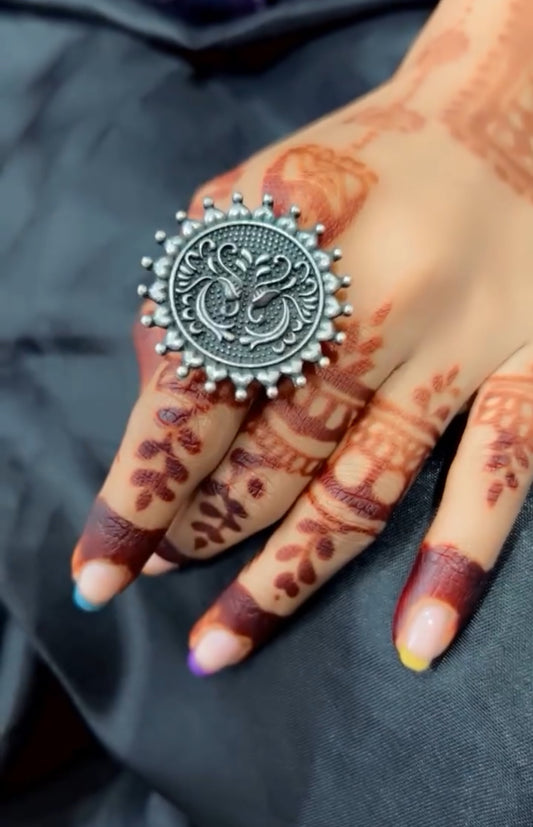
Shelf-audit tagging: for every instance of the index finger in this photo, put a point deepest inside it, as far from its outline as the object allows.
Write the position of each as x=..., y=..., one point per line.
x=172, y=441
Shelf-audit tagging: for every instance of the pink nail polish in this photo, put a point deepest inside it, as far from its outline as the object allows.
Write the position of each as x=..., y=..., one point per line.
x=99, y=581
x=216, y=649
x=429, y=630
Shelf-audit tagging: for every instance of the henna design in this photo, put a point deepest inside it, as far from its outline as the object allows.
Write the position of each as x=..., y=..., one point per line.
x=237, y=611
x=108, y=536
x=493, y=114
x=394, y=442
x=165, y=465
x=210, y=529
x=444, y=573
x=153, y=482
x=168, y=550
x=391, y=445
x=318, y=416
x=192, y=389
x=506, y=405
x=319, y=542
x=446, y=46
x=329, y=187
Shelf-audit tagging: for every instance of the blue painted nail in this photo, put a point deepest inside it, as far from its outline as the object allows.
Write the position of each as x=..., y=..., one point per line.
x=84, y=604
x=195, y=667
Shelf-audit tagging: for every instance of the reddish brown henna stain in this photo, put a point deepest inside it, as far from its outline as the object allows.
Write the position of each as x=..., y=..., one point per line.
x=330, y=187
x=237, y=611
x=108, y=536
x=164, y=458
x=167, y=550
x=442, y=572
x=318, y=543
x=218, y=519
x=154, y=482
x=191, y=390
x=321, y=413
x=394, y=442
x=256, y=488
x=493, y=115
x=506, y=406
x=323, y=410
x=397, y=115
x=389, y=444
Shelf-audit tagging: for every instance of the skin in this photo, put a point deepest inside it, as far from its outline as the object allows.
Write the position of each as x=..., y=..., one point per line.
x=427, y=185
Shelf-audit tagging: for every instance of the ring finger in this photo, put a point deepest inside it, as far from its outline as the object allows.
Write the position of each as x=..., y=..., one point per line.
x=486, y=487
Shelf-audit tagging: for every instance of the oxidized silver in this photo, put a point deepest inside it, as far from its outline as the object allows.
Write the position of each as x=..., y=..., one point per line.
x=245, y=295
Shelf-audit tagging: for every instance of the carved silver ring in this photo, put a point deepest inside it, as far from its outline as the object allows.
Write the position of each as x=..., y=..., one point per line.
x=245, y=295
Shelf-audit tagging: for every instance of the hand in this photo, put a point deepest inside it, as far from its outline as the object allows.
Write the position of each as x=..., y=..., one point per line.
x=427, y=185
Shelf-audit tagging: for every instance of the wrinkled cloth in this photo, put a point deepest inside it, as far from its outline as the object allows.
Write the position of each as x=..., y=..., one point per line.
x=112, y=114
x=203, y=11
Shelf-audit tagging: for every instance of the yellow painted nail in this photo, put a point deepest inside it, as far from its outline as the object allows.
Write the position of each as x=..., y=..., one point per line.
x=412, y=661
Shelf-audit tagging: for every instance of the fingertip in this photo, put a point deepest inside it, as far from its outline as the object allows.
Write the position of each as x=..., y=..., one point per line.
x=426, y=631
x=98, y=582
x=82, y=603
x=195, y=667
x=412, y=661
x=216, y=649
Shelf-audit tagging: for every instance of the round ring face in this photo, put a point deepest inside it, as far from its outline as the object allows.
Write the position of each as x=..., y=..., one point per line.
x=246, y=295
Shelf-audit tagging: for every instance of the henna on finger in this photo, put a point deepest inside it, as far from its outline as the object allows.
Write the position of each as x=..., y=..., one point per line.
x=280, y=447
x=383, y=452
x=236, y=624
x=447, y=580
x=342, y=511
x=506, y=406
x=164, y=453
x=441, y=593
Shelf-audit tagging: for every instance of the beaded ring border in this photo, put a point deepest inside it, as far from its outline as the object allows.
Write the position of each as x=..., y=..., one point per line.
x=246, y=295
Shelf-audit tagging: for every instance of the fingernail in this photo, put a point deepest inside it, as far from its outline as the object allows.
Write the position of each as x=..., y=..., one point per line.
x=195, y=667
x=84, y=604
x=215, y=650
x=429, y=631
x=97, y=583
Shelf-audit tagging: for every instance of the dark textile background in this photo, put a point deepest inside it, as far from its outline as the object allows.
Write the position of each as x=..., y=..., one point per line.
x=110, y=114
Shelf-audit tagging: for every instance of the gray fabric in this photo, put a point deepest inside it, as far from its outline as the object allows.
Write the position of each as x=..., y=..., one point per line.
x=102, y=137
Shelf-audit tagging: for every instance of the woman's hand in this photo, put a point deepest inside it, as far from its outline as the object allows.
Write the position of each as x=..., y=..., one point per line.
x=427, y=185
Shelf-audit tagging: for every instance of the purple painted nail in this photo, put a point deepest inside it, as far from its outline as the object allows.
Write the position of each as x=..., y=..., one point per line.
x=195, y=667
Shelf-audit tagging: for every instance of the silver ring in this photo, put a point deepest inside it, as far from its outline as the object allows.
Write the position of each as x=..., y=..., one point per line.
x=245, y=295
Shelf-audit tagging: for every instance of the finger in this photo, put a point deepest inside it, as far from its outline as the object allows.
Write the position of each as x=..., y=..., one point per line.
x=173, y=439
x=342, y=511
x=279, y=449
x=485, y=489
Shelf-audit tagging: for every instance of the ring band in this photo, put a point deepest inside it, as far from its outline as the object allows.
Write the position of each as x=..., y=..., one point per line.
x=245, y=295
